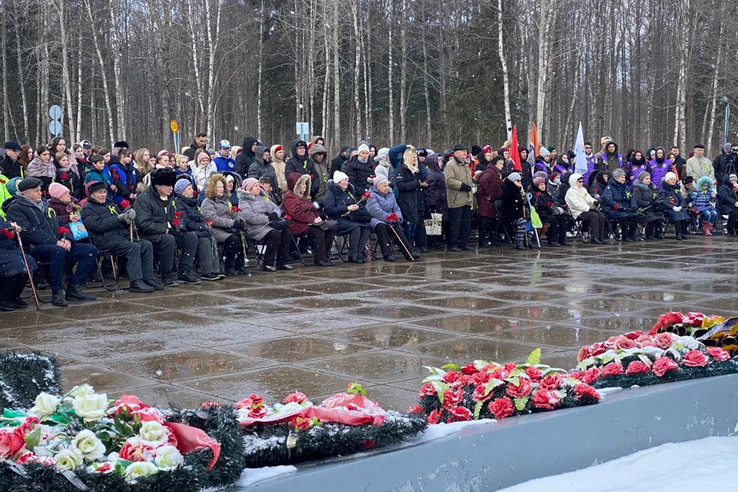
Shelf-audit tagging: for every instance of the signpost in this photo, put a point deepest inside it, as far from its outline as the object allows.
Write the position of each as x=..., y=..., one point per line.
x=55, y=125
x=174, y=125
x=302, y=128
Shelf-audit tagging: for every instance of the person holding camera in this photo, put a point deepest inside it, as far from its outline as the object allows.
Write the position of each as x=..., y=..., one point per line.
x=583, y=205
x=265, y=224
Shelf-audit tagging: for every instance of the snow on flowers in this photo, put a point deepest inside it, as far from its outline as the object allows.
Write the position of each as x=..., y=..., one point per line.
x=491, y=390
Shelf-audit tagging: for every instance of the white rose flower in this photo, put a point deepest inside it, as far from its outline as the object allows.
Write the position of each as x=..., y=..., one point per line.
x=168, y=458
x=91, y=407
x=140, y=469
x=82, y=390
x=45, y=405
x=68, y=459
x=688, y=342
x=153, y=432
x=89, y=445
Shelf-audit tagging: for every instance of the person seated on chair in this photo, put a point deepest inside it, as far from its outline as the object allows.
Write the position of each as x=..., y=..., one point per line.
x=702, y=198
x=674, y=205
x=227, y=225
x=649, y=210
x=13, y=274
x=386, y=215
x=583, y=206
x=514, y=210
x=49, y=242
x=340, y=204
x=157, y=221
x=728, y=200
x=108, y=227
x=619, y=205
x=64, y=204
x=264, y=224
x=549, y=213
x=192, y=221
x=303, y=218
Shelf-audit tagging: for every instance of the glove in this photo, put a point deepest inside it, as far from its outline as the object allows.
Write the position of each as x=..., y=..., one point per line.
x=473, y=189
x=465, y=187
x=596, y=203
x=239, y=225
x=677, y=209
x=273, y=217
x=370, y=180
x=128, y=216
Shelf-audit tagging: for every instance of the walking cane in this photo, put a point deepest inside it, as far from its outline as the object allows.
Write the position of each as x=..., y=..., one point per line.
x=130, y=231
x=28, y=270
x=409, y=255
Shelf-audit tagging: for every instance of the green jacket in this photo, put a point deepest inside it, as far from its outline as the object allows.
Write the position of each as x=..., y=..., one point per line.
x=457, y=174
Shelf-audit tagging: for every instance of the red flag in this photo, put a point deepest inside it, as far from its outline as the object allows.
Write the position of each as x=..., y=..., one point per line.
x=534, y=139
x=514, y=150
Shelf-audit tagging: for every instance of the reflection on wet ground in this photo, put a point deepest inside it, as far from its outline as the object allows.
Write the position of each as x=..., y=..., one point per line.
x=379, y=324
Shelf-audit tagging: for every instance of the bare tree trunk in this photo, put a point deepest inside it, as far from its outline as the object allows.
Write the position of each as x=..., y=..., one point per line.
x=680, y=117
x=43, y=107
x=336, y=78
x=505, y=77
x=213, y=41
x=390, y=89
x=66, y=79
x=311, y=70
x=366, y=49
x=79, y=84
x=120, y=102
x=6, y=103
x=403, y=74
x=543, y=43
x=96, y=44
x=326, y=78
x=260, y=79
x=357, y=64
x=716, y=76
x=195, y=63
x=426, y=90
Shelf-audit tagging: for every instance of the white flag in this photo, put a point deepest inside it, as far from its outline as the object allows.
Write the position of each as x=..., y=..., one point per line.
x=581, y=159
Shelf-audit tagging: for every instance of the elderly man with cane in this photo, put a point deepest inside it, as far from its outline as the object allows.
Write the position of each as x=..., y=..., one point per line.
x=15, y=268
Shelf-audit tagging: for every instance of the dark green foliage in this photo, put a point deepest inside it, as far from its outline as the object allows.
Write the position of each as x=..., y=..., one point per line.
x=266, y=444
x=24, y=375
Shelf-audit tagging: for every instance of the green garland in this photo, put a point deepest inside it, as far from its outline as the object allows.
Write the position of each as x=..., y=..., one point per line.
x=24, y=375
x=219, y=422
x=267, y=445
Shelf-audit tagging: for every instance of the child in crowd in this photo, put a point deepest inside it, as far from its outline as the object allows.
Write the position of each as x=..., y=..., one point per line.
x=702, y=202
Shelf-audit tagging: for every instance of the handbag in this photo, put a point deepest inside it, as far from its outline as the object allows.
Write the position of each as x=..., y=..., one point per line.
x=361, y=216
x=279, y=225
x=434, y=225
x=326, y=225
x=79, y=231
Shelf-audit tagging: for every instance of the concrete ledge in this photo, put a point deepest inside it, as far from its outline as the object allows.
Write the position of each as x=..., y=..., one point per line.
x=502, y=454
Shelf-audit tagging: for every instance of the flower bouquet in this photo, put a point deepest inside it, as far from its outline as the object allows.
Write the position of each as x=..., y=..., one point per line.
x=296, y=430
x=712, y=331
x=83, y=441
x=644, y=359
x=490, y=390
x=24, y=375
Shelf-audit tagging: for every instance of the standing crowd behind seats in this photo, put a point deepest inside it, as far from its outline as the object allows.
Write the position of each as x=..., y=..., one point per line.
x=173, y=218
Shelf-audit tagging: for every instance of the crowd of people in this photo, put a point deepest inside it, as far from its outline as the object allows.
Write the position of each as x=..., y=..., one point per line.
x=183, y=218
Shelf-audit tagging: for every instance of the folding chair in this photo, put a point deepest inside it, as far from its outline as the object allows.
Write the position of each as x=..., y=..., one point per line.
x=102, y=255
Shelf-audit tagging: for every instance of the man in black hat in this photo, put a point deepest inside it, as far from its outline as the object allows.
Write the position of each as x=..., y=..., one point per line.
x=11, y=167
x=159, y=222
x=117, y=148
x=51, y=243
x=108, y=229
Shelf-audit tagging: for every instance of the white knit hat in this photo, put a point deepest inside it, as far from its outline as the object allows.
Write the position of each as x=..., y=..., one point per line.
x=363, y=148
x=668, y=176
x=339, y=176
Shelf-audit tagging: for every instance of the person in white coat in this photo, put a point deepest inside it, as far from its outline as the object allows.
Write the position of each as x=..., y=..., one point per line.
x=202, y=168
x=581, y=204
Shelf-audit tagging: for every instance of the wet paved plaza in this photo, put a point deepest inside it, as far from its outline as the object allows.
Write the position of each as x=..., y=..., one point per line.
x=316, y=330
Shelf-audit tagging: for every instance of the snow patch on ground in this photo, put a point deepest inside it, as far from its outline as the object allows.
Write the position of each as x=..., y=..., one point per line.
x=693, y=466
x=250, y=476
x=439, y=431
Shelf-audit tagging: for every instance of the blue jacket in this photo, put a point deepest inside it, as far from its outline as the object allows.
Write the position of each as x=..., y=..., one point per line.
x=701, y=199
x=618, y=201
x=380, y=206
x=224, y=163
x=670, y=197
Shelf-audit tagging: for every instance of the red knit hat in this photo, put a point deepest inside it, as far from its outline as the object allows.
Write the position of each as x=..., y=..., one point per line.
x=487, y=149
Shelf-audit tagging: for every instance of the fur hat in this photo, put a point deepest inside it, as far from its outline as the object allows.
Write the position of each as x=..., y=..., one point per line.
x=382, y=154
x=163, y=177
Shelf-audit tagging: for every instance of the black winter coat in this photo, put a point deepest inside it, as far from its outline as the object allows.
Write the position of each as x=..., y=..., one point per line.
x=512, y=202
x=11, y=262
x=727, y=197
x=724, y=166
x=191, y=218
x=544, y=204
x=303, y=165
x=358, y=173
x=11, y=169
x=38, y=227
x=245, y=158
x=408, y=185
x=617, y=201
x=338, y=161
x=435, y=193
x=102, y=224
x=645, y=198
x=154, y=216
x=260, y=169
x=336, y=204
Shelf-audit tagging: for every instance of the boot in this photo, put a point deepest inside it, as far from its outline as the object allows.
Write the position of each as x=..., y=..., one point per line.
x=231, y=272
x=74, y=293
x=678, y=231
x=141, y=287
x=153, y=283
x=168, y=280
x=356, y=259
x=188, y=278
x=710, y=226
x=57, y=298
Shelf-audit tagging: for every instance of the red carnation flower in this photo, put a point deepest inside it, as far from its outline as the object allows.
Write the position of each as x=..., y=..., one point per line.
x=520, y=391
x=480, y=393
x=634, y=335
x=176, y=222
x=509, y=367
x=209, y=223
x=296, y=397
x=481, y=378
x=612, y=369
x=576, y=375
x=469, y=369
x=393, y=218
x=63, y=176
x=451, y=377
x=434, y=417
x=258, y=412
x=718, y=354
x=366, y=195
x=459, y=414
x=586, y=391
x=464, y=380
x=63, y=230
x=452, y=397
x=551, y=382
x=546, y=400
x=300, y=423
x=288, y=217
x=664, y=364
x=256, y=400
x=592, y=375
x=235, y=209
x=415, y=409
x=210, y=404
x=583, y=354
x=178, y=214
x=500, y=373
x=194, y=193
x=501, y=408
x=125, y=204
x=7, y=233
x=637, y=367
x=663, y=340
x=597, y=349
x=695, y=358
x=427, y=390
